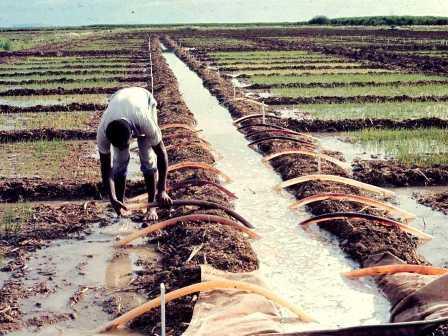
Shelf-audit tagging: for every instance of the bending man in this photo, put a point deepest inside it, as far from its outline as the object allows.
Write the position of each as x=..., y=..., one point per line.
x=132, y=113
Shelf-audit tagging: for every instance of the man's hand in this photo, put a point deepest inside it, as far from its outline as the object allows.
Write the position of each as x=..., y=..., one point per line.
x=151, y=214
x=164, y=200
x=118, y=206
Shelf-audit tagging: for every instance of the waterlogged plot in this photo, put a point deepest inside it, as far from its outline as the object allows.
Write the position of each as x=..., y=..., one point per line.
x=21, y=71
x=262, y=54
x=301, y=72
x=49, y=159
x=79, y=75
x=395, y=111
x=437, y=90
x=346, y=78
x=57, y=120
x=423, y=147
x=27, y=101
x=324, y=64
x=72, y=84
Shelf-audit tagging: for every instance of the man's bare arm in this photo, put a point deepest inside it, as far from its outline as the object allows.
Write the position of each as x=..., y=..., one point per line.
x=108, y=182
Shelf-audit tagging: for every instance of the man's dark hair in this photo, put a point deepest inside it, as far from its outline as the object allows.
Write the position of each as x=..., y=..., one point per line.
x=118, y=132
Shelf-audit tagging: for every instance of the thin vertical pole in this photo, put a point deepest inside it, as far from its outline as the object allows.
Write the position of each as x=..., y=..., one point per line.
x=263, y=112
x=162, y=313
x=150, y=65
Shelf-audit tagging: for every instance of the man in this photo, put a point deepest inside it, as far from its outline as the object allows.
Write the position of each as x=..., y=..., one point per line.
x=132, y=113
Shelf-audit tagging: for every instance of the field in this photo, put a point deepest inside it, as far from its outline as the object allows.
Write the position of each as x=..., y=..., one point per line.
x=315, y=104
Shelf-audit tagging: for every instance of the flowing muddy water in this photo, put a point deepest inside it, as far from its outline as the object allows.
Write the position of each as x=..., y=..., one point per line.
x=305, y=268
x=428, y=220
x=78, y=275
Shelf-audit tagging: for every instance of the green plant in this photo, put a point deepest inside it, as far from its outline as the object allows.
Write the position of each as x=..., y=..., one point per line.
x=13, y=217
x=5, y=45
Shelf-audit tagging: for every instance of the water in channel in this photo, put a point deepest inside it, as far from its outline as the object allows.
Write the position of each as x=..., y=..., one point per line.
x=303, y=267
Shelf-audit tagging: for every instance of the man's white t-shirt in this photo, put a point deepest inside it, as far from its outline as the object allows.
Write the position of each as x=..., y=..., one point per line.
x=138, y=107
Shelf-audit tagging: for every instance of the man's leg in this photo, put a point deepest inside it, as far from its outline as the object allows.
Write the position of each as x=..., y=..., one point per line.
x=148, y=166
x=120, y=167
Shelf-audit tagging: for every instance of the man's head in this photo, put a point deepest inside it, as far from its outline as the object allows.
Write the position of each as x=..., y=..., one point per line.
x=118, y=132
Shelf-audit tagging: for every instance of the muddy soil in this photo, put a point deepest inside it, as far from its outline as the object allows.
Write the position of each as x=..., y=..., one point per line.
x=127, y=79
x=46, y=223
x=436, y=201
x=48, y=134
x=351, y=99
x=58, y=91
x=53, y=108
x=327, y=126
x=340, y=84
x=395, y=174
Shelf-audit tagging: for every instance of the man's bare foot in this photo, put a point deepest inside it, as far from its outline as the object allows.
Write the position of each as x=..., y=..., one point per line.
x=151, y=214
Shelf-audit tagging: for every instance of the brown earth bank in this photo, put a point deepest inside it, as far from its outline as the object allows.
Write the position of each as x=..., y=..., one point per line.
x=341, y=84
x=326, y=126
x=53, y=108
x=350, y=100
x=276, y=74
x=358, y=238
x=295, y=67
x=69, y=53
x=390, y=173
x=436, y=201
x=46, y=134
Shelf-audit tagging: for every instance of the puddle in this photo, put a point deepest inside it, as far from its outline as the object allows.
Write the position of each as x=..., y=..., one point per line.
x=305, y=268
x=428, y=220
x=351, y=151
x=90, y=269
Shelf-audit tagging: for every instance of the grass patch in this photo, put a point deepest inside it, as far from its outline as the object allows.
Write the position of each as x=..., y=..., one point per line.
x=389, y=91
x=5, y=44
x=72, y=160
x=14, y=216
x=296, y=72
x=396, y=111
x=27, y=101
x=270, y=65
x=81, y=84
x=424, y=147
x=344, y=78
x=74, y=75
x=58, y=120
x=63, y=68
